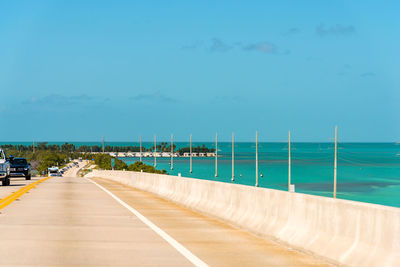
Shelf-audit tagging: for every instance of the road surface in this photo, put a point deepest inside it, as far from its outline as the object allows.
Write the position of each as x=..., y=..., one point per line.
x=73, y=221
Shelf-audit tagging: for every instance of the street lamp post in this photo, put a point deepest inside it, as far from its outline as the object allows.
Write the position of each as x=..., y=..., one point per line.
x=155, y=151
x=216, y=155
x=172, y=152
x=335, y=166
x=140, y=149
x=190, y=150
x=289, y=162
x=256, y=159
x=233, y=157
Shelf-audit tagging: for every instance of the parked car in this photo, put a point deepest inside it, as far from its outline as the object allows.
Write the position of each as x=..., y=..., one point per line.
x=20, y=167
x=4, y=169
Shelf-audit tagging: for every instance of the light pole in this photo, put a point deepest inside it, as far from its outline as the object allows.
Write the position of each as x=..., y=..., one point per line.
x=172, y=152
x=216, y=155
x=140, y=149
x=190, y=150
x=289, y=170
x=233, y=157
x=155, y=151
x=335, y=166
x=256, y=159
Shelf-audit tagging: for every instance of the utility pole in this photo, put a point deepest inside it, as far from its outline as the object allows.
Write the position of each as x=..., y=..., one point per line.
x=140, y=149
x=191, y=153
x=216, y=155
x=290, y=162
x=233, y=158
x=256, y=159
x=155, y=151
x=103, y=143
x=172, y=152
x=335, y=166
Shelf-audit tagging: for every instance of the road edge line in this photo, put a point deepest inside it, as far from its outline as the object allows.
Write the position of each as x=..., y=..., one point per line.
x=175, y=244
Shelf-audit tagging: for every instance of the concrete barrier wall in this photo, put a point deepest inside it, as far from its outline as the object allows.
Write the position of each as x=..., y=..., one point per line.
x=347, y=232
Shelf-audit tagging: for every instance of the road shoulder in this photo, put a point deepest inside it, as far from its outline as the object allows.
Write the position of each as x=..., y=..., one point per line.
x=213, y=241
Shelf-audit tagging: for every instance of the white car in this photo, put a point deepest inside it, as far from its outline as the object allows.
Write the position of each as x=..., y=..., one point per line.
x=53, y=171
x=4, y=169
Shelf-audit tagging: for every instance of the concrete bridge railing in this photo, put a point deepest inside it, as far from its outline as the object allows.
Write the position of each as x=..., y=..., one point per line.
x=346, y=232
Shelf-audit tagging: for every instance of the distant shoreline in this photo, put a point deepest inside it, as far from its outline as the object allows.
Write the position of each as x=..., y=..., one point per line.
x=123, y=143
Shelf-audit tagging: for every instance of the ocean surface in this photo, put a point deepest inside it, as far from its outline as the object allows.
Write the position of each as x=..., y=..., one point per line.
x=367, y=172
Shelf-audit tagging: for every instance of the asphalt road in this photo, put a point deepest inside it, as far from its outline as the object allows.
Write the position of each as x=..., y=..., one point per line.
x=72, y=221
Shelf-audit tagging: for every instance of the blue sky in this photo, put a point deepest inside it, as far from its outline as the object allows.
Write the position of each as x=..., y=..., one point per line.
x=78, y=70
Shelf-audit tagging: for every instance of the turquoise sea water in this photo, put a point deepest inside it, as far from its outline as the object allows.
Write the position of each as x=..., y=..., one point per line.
x=368, y=172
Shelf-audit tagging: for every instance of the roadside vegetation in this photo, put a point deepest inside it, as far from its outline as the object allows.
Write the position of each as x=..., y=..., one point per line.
x=103, y=161
x=46, y=156
x=71, y=148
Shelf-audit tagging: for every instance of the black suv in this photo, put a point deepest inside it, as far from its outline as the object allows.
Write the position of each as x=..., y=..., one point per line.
x=20, y=167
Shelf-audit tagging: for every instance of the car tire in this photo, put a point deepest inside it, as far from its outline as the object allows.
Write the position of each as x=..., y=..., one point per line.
x=28, y=177
x=5, y=182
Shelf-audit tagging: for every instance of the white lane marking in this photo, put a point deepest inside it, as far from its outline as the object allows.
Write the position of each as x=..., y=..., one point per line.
x=181, y=249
